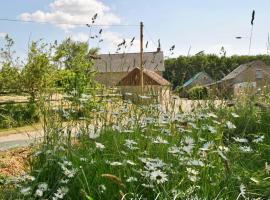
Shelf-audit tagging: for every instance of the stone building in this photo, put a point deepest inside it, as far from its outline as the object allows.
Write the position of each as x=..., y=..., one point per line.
x=111, y=68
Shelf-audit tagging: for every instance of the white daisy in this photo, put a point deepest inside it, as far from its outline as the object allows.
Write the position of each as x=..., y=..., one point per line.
x=230, y=125
x=131, y=179
x=116, y=163
x=241, y=140
x=158, y=176
x=99, y=146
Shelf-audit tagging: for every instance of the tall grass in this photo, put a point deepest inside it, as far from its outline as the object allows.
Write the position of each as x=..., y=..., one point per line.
x=124, y=151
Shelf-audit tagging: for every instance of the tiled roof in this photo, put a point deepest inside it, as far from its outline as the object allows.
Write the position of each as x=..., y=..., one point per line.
x=126, y=62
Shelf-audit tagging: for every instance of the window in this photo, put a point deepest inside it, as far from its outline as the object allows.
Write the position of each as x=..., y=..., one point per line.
x=259, y=74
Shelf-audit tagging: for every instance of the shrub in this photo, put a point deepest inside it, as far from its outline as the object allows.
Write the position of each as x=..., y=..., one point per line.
x=197, y=92
x=14, y=115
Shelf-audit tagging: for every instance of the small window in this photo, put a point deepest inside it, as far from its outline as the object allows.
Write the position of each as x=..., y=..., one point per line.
x=259, y=74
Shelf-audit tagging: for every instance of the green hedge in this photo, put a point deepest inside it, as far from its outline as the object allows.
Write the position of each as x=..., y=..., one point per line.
x=15, y=115
x=198, y=92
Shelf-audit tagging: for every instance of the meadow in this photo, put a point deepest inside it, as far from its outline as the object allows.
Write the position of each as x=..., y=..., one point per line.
x=121, y=150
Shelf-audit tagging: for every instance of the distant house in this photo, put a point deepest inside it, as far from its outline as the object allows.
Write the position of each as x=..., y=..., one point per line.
x=250, y=76
x=111, y=68
x=154, y=84
x=200, y=79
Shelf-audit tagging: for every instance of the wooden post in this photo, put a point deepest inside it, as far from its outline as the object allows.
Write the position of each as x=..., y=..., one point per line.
x=141, y=55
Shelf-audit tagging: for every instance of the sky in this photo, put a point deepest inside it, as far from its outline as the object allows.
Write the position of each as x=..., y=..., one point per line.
x=190, y=25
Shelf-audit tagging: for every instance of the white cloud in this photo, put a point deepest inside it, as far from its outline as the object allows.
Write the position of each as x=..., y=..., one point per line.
x=79, y=37
x=74, y=12
x=2, y=34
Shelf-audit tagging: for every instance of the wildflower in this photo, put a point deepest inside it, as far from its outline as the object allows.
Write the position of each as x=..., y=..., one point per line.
x=130, y=162
x=258, y=139
x=212, y=115
x=99, y=146
x=83, y=159
x=234, y=115
x=192, y=178
x=26, y=191
x=195, y=163
x=242, y=191
x=245, y=149
x=222, y=155
x=158, y=176
x=102, y=188
x=188, y=144
x=153, y=164
x=174, y=150
x=116, y=163
x=61, y=192
x=254, y=180
x=230, y=125
x=223, y=148
x=147, y=185
x=70, y=173
x=241, y=140
x=160, y=140
x=211, y=129
x=207, y=146
x=192, y=171
x=131, y=144
x=43, y=186
x=39, y=193
x=131, y=179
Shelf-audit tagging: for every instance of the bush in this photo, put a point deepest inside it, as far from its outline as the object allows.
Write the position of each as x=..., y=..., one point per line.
x=198, y=92
x=14, y=115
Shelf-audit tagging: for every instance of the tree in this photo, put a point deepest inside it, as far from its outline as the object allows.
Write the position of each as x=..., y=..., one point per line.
x=38, y=72
x=75, y=67
x=9, y=71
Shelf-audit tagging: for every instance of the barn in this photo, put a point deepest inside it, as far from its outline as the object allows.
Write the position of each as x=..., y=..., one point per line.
x=154, y=85
x=111, y=68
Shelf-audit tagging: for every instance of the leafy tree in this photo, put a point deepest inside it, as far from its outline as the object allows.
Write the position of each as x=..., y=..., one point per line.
x=38, y=72
x=75, y=67
x=9, y=71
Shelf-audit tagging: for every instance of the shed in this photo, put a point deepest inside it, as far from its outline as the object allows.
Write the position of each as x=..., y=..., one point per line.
x=111, y=68
x=200, y=79
x=154, y=84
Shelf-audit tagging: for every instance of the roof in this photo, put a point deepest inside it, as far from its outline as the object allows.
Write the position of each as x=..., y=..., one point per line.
x=126, y=62
x=241, y=69
x=150, y=78
x=195, y=78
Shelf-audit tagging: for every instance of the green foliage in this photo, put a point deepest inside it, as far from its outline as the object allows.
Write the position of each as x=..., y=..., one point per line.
x=14, y=115
x=38, y=72
x=197, y=92
x=179, y=70
x=76, y=73
x=9, y=72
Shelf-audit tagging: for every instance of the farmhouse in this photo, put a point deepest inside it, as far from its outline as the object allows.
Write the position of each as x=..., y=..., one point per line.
x=246, y=78
x=200, y=79
x=111, y=68
x=154, y=84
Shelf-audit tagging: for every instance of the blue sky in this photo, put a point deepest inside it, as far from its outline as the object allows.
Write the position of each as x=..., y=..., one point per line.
x=204, y=25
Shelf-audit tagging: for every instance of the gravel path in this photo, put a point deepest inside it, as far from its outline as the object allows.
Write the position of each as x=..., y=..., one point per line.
x=20, y=139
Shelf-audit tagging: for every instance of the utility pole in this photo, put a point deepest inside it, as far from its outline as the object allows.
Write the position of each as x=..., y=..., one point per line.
x=141, y=55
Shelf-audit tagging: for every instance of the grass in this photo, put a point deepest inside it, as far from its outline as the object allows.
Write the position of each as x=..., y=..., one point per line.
x=135, y=152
